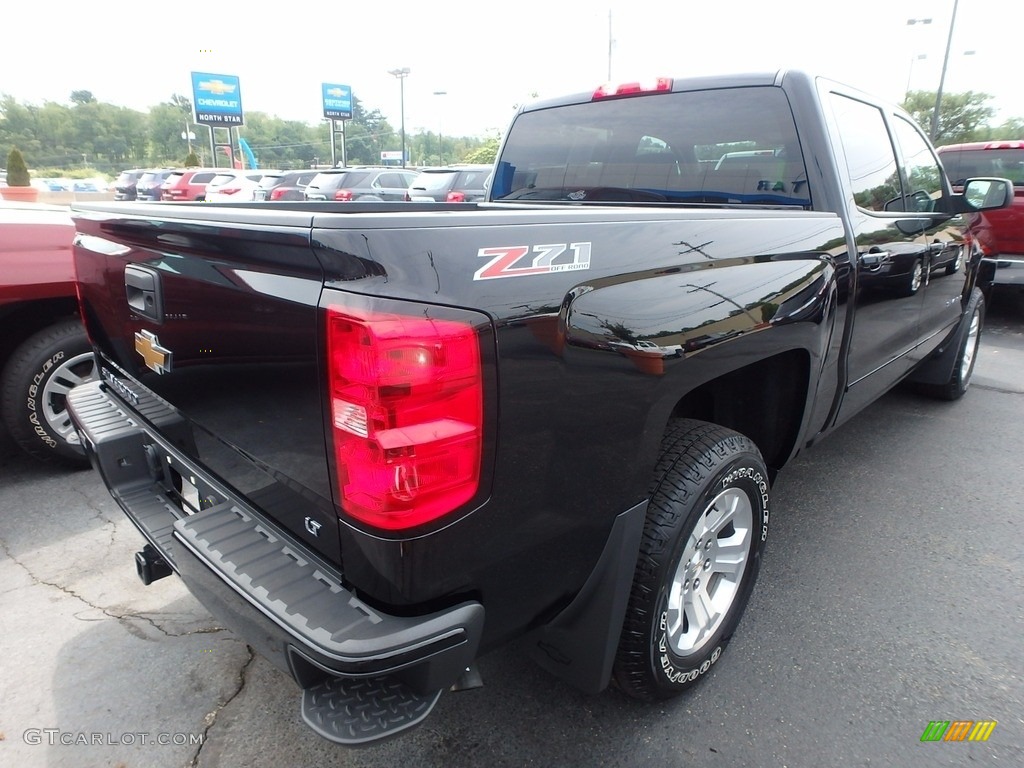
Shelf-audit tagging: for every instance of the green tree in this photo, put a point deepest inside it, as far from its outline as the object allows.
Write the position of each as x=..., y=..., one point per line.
x=165, y=123
x=486, y=153
x=961, y=115
x=17, y=171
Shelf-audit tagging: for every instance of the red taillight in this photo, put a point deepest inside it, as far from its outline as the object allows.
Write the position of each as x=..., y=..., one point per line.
x=229, y=190
x=456, y=197
x=343, y=194
x=626, y=89
x=406, y=413
x=276, y=194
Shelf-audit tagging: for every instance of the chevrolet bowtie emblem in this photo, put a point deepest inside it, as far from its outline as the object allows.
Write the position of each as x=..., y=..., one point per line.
x=157, y=358
x=217, y=87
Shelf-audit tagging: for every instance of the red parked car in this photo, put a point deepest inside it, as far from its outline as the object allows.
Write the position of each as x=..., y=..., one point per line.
x=999, y=233
x=44, y=351
x=187, y=184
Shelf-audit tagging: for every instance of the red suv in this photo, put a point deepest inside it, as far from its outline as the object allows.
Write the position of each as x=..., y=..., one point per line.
x=999, y=233
x=187, y=184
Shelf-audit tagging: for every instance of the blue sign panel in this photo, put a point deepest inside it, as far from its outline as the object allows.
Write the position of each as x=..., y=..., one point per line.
x=217, y=99
x=337, y=101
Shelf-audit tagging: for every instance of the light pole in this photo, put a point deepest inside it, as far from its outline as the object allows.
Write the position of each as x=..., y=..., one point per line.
x=910, y=74
x=187, y=135
x=942, y=78
x=440, y=159
x=401, y=74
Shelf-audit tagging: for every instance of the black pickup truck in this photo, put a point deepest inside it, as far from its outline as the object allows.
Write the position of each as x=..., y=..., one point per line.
x=379, y=440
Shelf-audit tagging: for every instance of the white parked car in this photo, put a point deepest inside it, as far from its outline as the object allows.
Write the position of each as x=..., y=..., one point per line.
x=234, y=186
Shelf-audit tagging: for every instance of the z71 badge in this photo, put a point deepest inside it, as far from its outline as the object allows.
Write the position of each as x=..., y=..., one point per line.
x=516, y=261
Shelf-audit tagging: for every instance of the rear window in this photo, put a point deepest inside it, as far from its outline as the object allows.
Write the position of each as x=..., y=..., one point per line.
x=659, y=147
x=222, y=178
x=174, y=178
x=202, y=178
x=964, y=164
x=147, y=177
x=433, y=181
x=271, y=180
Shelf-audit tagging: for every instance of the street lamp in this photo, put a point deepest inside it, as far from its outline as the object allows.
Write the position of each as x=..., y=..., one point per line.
x=401, y=74
x=188, y=136
x=440, y=159
x=942, y=78
x=910, y=74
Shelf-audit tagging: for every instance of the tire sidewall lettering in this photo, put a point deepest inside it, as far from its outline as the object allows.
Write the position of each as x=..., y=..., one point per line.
x=761, y=484
x=34, y=390
x=754, y=483
x=675, y=675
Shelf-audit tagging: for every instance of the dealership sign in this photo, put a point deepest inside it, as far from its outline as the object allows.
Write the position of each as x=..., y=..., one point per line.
x=217, y=99
x=337, y=101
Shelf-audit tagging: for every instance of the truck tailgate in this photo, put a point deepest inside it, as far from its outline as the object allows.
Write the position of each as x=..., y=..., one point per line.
x=225, y=334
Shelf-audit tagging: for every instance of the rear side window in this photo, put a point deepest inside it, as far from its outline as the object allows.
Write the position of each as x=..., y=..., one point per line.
x=471, y=180
x=393, y=181
x=666, y=146
x=870, y=156
x=202, y=178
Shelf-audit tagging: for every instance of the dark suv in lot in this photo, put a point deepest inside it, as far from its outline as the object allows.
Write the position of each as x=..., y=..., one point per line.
x=147, y=188
x=348, y=184
x=463, y=184
x=125, y=184
x=999, y=233
x=284, y=185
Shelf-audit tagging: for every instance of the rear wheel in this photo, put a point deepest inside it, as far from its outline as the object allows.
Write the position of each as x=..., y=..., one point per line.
x=707, y=520
x=914, y=279
x=34, y=387
x=967, y=355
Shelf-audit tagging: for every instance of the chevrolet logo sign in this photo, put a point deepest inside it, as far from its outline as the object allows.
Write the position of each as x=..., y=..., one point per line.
x=335, y=92
x=157, y=358
x=218, y=87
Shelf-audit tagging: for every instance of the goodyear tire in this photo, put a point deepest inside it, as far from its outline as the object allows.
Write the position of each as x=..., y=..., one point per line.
x=707, y=520
x=33, y=391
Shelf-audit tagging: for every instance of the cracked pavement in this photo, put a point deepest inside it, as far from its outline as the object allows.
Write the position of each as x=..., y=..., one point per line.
x=890, y=596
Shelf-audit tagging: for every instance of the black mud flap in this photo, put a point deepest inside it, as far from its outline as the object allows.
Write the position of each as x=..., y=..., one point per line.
x=363, y=711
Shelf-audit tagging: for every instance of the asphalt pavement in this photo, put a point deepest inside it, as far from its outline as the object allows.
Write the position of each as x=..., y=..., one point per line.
x=891, y=596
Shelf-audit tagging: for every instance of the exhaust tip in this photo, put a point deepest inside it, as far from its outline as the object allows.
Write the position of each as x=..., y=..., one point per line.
x=150, y=566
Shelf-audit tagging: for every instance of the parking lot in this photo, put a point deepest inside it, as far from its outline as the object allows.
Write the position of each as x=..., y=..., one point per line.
x=892, y=595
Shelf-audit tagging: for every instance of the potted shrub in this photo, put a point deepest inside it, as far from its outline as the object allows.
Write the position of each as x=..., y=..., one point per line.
x=19, y=183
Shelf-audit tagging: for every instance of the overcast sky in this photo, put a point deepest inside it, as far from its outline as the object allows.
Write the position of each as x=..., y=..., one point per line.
x=489, y=57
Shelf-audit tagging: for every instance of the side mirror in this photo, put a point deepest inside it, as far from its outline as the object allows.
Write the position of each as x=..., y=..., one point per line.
x=984, y=194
